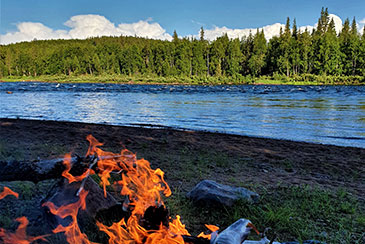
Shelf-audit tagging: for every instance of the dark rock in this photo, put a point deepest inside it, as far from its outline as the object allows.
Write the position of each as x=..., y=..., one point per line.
x=210, y=192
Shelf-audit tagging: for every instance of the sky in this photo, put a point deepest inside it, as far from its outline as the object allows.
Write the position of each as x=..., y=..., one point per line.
x=25, y=20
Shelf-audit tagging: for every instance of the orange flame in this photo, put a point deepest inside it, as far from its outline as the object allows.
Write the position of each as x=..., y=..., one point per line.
x=72, y=231
x=20, y=236
x=7, y=191
x=142, y=185
x=132, y=232
x=212, y=228
x=68, y=166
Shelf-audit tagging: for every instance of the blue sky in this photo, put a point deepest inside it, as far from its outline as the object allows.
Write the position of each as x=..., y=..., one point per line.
x=185, y=16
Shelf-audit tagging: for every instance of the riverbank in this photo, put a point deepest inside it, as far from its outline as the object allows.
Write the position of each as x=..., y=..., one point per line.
x=308, y=191
x=305, y=79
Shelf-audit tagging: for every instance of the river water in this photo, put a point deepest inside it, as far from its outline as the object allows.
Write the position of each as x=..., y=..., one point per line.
x=320, y=114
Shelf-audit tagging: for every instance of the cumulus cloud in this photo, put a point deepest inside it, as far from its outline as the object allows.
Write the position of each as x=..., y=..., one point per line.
x=91, y=25
x=269, y=30
x=84, y=26
x=361, y=25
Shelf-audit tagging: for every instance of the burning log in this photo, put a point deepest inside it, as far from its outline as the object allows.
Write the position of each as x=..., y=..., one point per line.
x=147, y=219
x=40, y=170
x=20, y=235
x=195, y=240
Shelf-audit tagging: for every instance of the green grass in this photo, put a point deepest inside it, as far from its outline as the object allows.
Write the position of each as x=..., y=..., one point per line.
x=7, y=154
x=293, y=213
x=304, y=79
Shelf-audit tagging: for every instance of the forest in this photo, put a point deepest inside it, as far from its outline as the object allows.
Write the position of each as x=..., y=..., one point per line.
x=318, y=56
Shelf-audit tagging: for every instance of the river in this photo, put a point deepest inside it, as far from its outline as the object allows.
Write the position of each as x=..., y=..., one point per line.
x=320, y=114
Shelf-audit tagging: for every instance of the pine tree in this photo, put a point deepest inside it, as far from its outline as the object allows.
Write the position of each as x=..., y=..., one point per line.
x=175, y=37
x=354, y=48
x=198, y=61
x=246, y=50
x=362, y=54
x=257, y=60
x=285, y=40
x=273, y=55
x=201, y=34
x=217, y=52
x=330, y=52
x=294, y=49
x=344, y=39
x=234, y=57
x=305, y=51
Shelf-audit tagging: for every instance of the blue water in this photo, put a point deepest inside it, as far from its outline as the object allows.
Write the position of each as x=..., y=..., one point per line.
x=321, y=114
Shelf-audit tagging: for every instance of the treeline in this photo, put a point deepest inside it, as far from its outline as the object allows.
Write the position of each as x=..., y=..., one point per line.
x=295, y=54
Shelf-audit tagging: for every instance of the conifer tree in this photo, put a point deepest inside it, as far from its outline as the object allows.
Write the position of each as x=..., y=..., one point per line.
x=257, y=60
x=246, y=50
x=362, y=54
x=305, y=51
x=354, y=47
x=234, y=57
x=285, y=40
x=201, y=34
x=294, y=49
x=329, y=53
x=344, y=39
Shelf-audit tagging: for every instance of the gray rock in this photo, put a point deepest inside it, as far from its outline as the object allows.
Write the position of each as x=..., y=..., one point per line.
x=210, y=192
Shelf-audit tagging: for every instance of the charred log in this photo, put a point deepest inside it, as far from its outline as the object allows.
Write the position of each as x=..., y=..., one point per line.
x=195, y=240
x=41, y=170
x=155, y=216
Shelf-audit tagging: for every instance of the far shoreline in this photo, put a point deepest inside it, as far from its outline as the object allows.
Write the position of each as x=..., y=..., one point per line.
x=181, y=80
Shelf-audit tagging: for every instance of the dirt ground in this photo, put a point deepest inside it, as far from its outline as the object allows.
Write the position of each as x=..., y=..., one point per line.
x=254, y=160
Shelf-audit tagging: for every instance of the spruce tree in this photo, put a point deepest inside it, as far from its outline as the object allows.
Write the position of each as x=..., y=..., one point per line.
x=354, y=48
x=305, y=51
x=285, y=40
x=257, y=60
x=294, y=48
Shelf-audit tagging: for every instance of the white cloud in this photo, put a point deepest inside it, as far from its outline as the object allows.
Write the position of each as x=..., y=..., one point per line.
x=338, y=22
x=84, y=26
x=361, y=25
x=269, y=30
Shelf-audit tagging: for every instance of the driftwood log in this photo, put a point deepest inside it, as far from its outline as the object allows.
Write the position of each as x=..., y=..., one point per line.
x=41, y=170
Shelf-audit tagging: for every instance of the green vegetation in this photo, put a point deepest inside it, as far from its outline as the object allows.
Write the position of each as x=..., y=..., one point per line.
x=293, y=213
x=293, y=57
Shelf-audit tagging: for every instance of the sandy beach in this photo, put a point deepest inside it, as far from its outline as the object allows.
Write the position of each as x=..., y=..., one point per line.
x=245, y=160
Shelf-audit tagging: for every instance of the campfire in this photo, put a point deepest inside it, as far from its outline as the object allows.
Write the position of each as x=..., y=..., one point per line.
x=146, y=220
